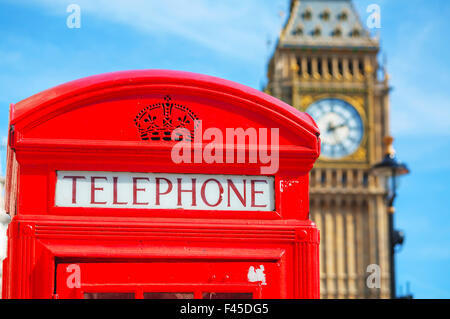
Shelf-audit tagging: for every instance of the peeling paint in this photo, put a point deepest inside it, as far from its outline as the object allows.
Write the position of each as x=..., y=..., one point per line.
x=286, y=184
x=257, y=275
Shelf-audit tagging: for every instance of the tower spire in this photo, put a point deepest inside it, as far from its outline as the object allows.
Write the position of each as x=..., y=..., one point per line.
x=314, y=23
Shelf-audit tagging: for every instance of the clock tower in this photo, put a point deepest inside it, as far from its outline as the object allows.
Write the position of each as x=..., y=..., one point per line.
x=325, y=64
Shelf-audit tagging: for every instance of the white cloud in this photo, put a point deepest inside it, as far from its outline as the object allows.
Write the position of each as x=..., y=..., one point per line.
x=233, y=27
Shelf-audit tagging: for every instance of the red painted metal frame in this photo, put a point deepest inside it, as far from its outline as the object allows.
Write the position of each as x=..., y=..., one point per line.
x=131, y=277
x=87, y=125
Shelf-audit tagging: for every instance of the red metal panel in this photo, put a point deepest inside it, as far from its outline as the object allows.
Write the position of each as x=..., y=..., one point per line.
x=175, y=277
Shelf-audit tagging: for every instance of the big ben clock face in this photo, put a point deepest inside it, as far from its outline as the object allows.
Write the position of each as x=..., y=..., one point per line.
x=341, y=127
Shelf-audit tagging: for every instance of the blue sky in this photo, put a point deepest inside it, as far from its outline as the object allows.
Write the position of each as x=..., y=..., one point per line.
x=233, y=39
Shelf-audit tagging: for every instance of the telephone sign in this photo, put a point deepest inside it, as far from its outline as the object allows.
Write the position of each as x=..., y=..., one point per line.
x=165, y=191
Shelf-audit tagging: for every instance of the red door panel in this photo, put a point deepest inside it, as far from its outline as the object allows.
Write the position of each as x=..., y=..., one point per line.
x=169, y=280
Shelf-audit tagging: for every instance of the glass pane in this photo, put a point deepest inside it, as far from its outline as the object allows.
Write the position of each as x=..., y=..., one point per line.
x=108, y=295
x=168, y=295
x=227, y=295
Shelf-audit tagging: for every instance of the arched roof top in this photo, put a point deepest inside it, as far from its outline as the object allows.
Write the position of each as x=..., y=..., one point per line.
x=45, y=102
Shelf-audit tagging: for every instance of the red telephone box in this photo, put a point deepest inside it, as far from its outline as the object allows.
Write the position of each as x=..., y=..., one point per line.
x=159, y=184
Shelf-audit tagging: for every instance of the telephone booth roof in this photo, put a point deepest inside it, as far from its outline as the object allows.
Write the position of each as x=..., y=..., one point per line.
x=46, y=102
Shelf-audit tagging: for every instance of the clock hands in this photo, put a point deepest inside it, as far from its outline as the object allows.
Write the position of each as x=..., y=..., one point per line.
x=332, y=131
x=333, y=128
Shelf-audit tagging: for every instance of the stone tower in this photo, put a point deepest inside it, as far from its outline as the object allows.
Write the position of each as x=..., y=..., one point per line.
x=325, y=63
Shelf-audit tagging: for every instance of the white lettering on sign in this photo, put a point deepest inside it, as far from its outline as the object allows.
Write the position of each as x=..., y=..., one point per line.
x=164, y=191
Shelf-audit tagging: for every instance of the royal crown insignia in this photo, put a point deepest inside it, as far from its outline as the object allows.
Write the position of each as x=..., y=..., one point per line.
x=156, y=122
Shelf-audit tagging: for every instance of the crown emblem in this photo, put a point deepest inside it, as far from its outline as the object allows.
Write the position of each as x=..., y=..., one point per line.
x=156, y=122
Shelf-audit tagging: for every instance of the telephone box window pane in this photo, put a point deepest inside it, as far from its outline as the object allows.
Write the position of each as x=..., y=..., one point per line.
x=108, y=295
x=227, y=295
x=168, y=295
